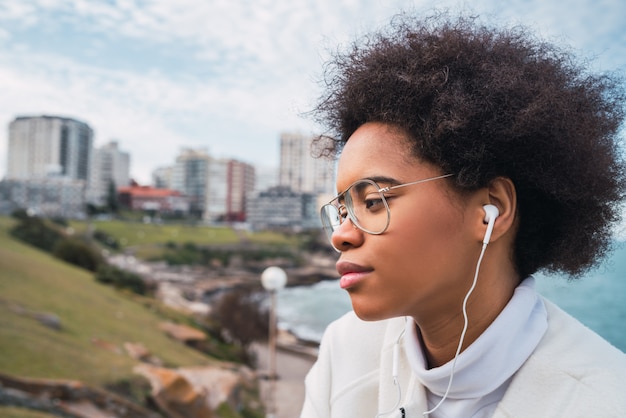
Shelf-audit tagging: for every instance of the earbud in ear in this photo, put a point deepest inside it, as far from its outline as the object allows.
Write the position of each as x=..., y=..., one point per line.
x=491, y=213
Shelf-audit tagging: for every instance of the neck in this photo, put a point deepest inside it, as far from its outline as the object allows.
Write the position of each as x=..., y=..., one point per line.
x=494, y=288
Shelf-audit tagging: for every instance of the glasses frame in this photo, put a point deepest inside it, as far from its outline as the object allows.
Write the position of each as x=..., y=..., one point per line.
x=346, y=212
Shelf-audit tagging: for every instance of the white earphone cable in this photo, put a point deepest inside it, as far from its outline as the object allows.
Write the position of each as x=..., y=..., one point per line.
x=394, y=372
x=466, y=321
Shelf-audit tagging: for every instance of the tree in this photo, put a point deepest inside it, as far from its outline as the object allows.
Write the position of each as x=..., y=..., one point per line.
x=242, y=317
x=79, y=253
x=121, y=279
x=112, y=203
x=36, y=231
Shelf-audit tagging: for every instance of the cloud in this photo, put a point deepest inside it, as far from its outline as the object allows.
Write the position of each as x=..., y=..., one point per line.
x=226, y=74
x=139, y=110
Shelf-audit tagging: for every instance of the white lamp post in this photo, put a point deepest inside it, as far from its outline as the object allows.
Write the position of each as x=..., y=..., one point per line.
x=272, y=279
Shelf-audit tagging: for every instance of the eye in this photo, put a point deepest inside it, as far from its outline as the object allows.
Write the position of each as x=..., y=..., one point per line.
x=342, y=212
x=364, y=199
x=374, y=203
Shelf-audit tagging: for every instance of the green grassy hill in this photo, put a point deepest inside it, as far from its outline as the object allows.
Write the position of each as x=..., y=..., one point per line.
x=33, y=281
x=132, y=234
x=136, y=233
x=152, y=241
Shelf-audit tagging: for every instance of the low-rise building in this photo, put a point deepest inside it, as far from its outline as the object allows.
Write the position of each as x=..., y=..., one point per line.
x=54, y=196
x=281, y=208
x=146, y=198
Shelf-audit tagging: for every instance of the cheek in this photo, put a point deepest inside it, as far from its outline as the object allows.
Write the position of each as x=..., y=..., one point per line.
x=431, y=245
x=416, y=260
x=440, y=224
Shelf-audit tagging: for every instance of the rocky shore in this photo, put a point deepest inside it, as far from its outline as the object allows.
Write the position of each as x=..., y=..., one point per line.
x=188, y=289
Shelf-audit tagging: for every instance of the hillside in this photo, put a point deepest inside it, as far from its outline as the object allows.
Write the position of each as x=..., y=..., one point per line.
x=95, y=322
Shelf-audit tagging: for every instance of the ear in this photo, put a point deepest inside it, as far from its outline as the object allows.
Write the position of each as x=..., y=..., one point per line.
x=502, y=194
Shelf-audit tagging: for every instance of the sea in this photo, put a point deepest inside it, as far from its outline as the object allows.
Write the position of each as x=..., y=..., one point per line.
x=597, y=299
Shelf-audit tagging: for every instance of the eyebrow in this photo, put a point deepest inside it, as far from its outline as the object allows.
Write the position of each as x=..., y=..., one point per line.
x=384, y=179
x=375, y=179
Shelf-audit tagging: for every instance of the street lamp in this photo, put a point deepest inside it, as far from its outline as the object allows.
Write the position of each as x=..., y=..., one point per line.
x=272, y=279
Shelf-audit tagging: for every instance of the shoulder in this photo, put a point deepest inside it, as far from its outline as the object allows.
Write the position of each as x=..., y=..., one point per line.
x=576, y=347
x=344, y=379
x=572, y=372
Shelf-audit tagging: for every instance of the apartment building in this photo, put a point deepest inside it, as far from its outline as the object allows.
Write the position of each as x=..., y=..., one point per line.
x=110, y=167
x=217, y=189
x=300, y=170
x=241, y=178
x=304, y=182
x=44, y=196
x=48, y=166
x=43, y=145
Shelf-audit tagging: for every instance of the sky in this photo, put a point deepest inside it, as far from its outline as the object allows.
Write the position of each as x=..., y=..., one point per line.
x=228, y=76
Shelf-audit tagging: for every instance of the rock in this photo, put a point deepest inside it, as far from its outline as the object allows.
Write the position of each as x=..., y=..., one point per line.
x=182, y=333
x=174, y=394
x=197, y=391
x=106, y=345
x=137, y=351
x=50, y=320
x=67, y=398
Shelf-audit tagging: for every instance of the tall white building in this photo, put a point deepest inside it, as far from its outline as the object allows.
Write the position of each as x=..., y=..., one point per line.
x=300, y=171
x=190, y=176
x=110, y=165
x=43, y=145
x=217, y=189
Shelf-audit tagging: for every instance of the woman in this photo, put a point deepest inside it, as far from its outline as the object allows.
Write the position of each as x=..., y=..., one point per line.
x=469, y=158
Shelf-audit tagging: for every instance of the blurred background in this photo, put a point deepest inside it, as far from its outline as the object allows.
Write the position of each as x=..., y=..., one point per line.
x=155, y=159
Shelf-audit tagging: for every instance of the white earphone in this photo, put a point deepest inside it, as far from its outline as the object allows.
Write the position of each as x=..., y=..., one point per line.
x=491, y=213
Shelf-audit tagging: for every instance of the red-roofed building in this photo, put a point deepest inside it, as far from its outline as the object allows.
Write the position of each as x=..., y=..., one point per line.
x=151, y=199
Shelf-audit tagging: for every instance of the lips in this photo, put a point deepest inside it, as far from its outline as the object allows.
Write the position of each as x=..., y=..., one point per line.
x=351, y=274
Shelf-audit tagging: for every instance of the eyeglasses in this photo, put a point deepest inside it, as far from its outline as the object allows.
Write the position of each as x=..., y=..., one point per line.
x=364, y=203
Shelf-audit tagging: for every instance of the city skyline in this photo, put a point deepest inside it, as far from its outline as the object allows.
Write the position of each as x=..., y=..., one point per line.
x=54, y=170
x=229, y=76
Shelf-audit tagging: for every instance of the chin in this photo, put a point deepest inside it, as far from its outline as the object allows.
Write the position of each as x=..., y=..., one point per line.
x=367, y=312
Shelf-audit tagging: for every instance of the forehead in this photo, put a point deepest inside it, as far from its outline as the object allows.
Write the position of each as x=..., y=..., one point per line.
x=375, y=149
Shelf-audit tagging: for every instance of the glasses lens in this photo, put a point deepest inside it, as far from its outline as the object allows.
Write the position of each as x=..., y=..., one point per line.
x=367, y=207
x=330, y=218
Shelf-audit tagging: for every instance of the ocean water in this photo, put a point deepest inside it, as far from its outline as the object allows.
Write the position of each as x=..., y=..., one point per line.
x=598, y=300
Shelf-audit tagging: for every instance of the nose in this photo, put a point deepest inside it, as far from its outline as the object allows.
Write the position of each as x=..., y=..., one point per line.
x=347, y=236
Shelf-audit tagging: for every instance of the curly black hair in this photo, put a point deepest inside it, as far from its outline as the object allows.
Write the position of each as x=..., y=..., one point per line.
x=484, y=102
